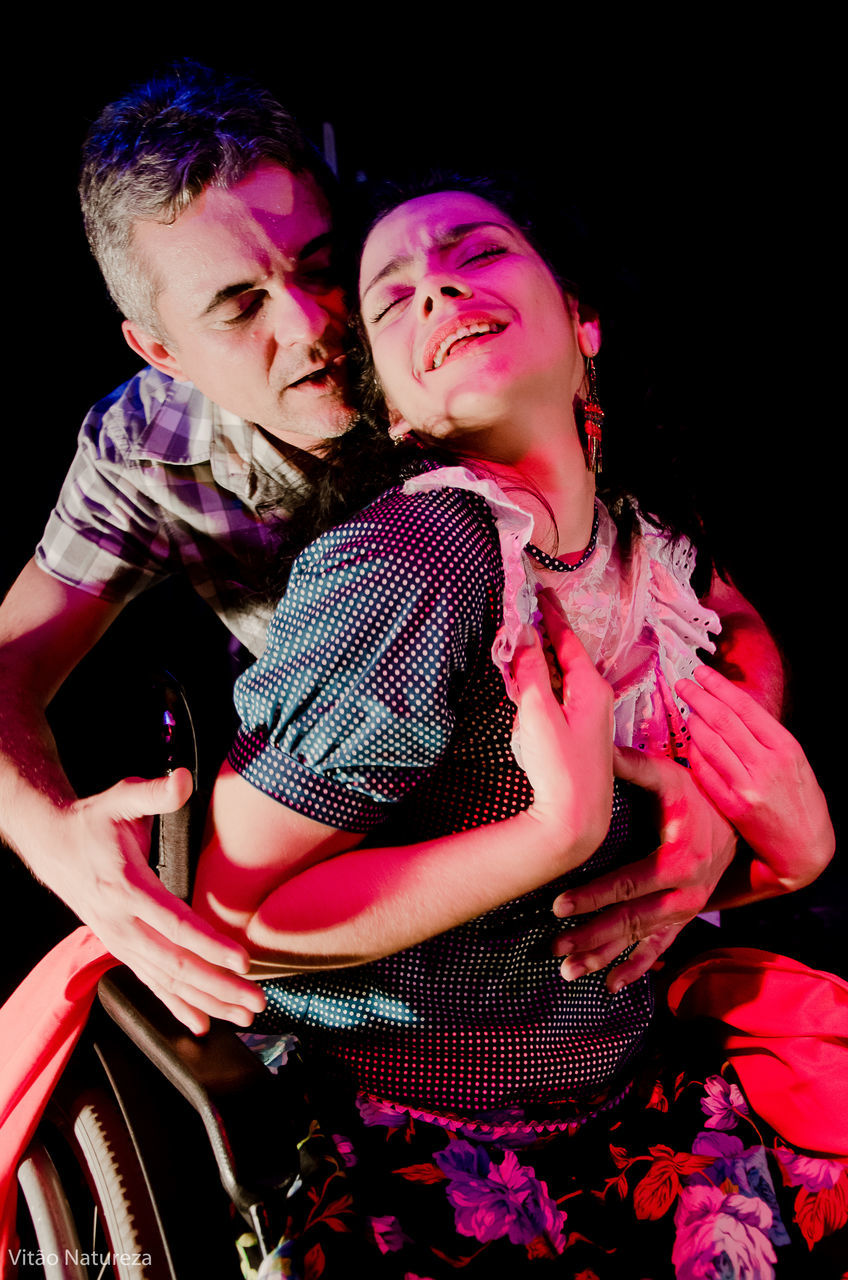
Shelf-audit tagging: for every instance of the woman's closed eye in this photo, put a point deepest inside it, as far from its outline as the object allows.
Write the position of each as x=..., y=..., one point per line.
x=385, y=305
x=484, y=254
x=467, y=256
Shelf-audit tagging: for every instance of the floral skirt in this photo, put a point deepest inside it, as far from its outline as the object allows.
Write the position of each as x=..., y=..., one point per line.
x=676, y=1179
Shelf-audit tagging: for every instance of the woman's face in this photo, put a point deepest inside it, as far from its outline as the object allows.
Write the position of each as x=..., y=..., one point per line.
x=467, y=325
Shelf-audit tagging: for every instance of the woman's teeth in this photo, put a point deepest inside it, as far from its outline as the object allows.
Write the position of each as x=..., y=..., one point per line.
x=464, y=331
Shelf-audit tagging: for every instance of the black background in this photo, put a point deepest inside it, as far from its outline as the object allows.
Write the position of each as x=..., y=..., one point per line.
x=701, y=158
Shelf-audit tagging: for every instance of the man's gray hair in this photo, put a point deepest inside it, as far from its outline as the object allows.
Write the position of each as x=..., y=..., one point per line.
x=149, y=154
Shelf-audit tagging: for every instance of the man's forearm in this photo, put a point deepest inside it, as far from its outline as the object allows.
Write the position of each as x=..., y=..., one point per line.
x=748, y=656
x=746, y=652
x=46, y=627
x=33, y=784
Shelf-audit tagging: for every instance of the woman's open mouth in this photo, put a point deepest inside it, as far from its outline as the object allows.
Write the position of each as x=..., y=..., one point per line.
x=458, y=334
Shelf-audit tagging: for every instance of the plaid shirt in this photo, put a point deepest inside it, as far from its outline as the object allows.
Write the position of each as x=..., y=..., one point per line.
x=164, y=481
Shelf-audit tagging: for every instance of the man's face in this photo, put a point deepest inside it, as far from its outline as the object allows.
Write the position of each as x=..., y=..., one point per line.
x=249, y=305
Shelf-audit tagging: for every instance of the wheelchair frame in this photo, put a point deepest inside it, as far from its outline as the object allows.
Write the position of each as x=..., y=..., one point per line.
x=101, y=1191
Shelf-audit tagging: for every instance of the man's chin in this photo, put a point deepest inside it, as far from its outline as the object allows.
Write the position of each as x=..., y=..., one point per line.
x=310, y=431
x=339, y=421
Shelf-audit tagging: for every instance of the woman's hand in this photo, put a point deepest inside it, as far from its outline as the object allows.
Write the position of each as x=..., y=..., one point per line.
x=566, y=739
x=755, y=772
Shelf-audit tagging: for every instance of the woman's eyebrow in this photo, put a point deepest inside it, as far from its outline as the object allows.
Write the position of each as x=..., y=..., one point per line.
x=442, y=240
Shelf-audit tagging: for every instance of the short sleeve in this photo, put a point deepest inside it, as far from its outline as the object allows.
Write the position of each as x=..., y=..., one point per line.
x=105, y=534
x=382, y=623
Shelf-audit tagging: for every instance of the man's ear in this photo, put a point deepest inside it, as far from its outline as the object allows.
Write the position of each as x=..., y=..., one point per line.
x=152, y=351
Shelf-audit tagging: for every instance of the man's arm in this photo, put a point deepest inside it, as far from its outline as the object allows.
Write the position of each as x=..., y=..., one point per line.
x=756, y=773
x=650, y=901
x=93, y=852
x=745, y=651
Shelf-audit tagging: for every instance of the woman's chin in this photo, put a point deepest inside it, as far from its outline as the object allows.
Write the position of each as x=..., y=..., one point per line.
x=467, y=413
x=462, y=433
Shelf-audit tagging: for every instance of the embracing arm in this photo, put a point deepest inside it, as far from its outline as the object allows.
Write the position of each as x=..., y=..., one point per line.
x=93, y=852
x=756, y=773
x=650, y=901
x=745, y=765
x=46, y=627
x=746, y=770
x=745, y=650
x=300, y=895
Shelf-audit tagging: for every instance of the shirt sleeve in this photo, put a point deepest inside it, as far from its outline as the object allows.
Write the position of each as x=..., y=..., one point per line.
x=106, y=535
x=382, y=622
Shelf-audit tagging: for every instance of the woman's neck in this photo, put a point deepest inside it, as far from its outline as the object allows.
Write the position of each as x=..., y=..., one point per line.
x=555, y=487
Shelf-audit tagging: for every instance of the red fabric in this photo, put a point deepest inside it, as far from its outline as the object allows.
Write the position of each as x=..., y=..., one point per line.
x=40, y=1024
x=786, y=1037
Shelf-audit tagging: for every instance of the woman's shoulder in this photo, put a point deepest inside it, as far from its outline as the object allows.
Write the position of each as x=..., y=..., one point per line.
x=412, y=521
x=441, y=546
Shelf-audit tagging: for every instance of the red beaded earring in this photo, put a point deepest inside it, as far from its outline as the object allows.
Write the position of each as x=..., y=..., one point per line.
x=593, y=421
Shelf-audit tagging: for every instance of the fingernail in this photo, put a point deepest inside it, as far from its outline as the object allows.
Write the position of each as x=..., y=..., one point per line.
x=573, y=969
x=563, y=907
x=563, y=947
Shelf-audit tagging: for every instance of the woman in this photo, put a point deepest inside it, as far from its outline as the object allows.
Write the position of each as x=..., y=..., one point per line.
x=492, y=1097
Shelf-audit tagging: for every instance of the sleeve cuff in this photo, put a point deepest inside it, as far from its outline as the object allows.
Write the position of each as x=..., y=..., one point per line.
x=294, y=784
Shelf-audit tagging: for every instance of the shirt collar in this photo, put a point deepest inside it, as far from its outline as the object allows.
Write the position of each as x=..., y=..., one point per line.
x=186, y=428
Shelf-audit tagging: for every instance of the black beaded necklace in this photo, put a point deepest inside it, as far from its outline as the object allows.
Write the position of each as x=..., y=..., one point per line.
x=549, y=562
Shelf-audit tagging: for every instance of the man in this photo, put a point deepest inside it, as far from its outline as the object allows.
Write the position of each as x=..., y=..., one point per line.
x=210, y=217
x=242, y=299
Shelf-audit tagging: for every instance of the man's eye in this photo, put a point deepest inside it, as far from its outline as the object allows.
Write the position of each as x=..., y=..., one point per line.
x=322, y=277
x=249, y=304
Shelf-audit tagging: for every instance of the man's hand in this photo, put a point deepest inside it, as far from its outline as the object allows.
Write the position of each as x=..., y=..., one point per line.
x=98, y=866
x=649, y=901
x=93, y=852
x=756, y=773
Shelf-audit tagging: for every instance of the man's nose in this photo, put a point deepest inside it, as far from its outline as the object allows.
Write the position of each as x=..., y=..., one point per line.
x=300, y=317
x=434, y=291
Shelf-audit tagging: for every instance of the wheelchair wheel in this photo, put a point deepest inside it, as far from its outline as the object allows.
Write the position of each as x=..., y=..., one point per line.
x=53, y=1239
x=90, y=1209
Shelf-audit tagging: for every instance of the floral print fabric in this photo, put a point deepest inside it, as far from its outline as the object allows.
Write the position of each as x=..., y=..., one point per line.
x=680, y=1181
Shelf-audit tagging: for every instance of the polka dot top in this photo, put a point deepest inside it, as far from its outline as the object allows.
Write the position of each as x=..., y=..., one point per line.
x=376, y=708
